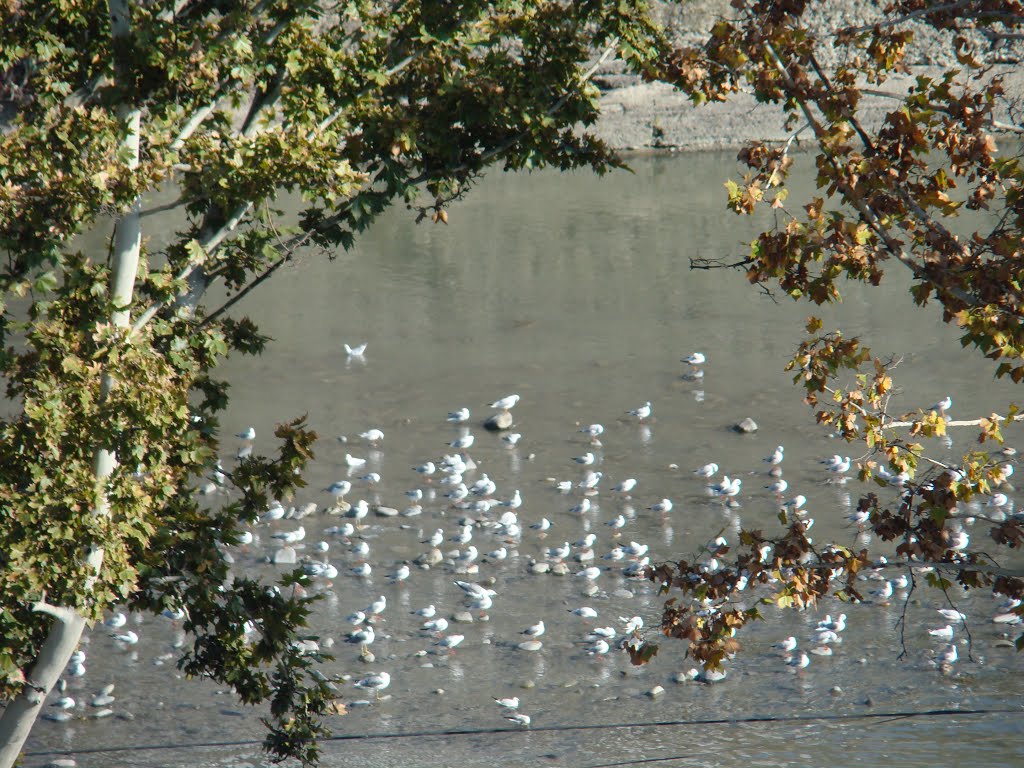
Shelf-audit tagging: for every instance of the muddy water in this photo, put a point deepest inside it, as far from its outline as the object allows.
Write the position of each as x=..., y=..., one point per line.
x=574, y=293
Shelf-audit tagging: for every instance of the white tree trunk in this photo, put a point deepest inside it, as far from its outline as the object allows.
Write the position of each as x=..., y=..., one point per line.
x=20, y=715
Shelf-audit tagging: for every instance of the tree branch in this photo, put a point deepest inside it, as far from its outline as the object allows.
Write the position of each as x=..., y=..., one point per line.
x=907, y=17
x=61, y=613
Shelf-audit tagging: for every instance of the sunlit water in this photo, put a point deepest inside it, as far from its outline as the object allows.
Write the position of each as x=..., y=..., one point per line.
x=576, y=294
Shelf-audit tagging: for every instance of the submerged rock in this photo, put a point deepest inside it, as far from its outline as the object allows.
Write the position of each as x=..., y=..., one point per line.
x=712, y=676
x=498, y=422
x=285, y=556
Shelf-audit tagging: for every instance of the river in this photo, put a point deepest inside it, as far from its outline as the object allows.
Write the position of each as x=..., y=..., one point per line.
x=575, y=293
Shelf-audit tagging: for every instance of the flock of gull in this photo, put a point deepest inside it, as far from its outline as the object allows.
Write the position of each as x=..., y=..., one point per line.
x=473, y=542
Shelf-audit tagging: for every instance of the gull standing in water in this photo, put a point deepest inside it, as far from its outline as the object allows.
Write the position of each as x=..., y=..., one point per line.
x=534, y=630
x=459, y=416
x=375, y=683
x=707, y=471
x=643, y=412
x=461, y=443
x=696, y=358
x=339, y=489
x=799, y=662
x=372, y=435
x=788, y=645
x=625, y=486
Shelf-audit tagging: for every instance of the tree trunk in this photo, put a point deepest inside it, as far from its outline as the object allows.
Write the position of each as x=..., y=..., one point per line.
x=20, y=715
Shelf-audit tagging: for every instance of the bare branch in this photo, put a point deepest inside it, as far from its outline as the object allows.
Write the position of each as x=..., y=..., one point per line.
x=907, y=17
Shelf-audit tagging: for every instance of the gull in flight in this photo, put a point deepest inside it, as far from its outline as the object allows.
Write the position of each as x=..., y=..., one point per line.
x=357, y=351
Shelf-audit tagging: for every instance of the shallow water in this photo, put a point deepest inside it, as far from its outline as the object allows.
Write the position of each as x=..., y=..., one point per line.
x=574, y=293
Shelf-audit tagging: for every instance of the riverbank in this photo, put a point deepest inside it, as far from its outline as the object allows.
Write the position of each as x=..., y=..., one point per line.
x=641, y=116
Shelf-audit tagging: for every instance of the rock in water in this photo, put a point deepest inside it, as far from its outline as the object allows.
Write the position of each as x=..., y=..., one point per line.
x=499, y=421
x=746, y=427
x=285, y=556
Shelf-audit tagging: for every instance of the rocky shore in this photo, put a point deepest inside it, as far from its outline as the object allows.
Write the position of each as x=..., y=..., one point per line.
x=641, y=116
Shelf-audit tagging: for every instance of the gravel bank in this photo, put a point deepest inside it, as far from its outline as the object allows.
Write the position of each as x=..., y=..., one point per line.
x=655, y=117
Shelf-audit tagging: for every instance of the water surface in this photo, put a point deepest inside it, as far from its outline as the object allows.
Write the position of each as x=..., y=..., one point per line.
x=576, y=293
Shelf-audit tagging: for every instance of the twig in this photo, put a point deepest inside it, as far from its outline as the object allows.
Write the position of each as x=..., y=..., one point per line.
x=963, y=622
x=903, y=617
